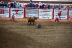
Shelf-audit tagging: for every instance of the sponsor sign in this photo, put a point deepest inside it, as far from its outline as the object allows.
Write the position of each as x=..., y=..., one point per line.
x=45, y=14
x=30, y=12
x=18, y=12
x=4, y=12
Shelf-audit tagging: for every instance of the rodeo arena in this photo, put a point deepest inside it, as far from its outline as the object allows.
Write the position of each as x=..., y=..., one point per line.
x=36, y=24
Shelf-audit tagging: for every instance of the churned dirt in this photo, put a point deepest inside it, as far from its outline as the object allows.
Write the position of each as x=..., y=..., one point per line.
x=17, y=34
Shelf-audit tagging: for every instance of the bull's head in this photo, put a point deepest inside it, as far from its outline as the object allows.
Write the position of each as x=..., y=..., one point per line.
x=35, y=18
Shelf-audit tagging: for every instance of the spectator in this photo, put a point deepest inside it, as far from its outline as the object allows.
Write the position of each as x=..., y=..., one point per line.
x=59, y=6
x=11, y=4
x=1, y=2
x=48, y=6
x=40, y=4
x=14, y=4
x=44, y=8
x=43, y=5
x=33, y=5
x=22, y=5
x=54, y=6
x=17, y=5
x=30, y=5
x=37, y=5
x=59, y=13
x=5, y=5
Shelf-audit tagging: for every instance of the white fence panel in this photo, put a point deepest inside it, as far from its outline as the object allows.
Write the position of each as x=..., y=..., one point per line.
x=18, y=12
x=45, y=14
x=4, y=12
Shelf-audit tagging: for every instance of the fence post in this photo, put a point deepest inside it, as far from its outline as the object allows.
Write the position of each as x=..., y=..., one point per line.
x=38, y=11
x=24, y=11
x=9, y=12
x=67, y=12
x=52, y=12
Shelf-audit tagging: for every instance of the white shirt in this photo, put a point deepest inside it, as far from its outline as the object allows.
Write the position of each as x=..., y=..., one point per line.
x=56, y=17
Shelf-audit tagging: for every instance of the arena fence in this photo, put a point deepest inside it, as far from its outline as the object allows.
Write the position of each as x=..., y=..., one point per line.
x=70, y=14
x=4, y=12
x=63, y=14
x=30, y=12
x=45, y=14
x=18, y=12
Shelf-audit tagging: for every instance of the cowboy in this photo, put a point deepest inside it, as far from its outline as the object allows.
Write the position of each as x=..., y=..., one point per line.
x=38, y=26
x=59, y=14
x=57, y=18
x=13, y=17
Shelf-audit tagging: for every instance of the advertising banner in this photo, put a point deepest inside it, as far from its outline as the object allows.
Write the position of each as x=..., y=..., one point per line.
x=18, y=12
x=30, y=12
x=45, y=14
x=4, y=12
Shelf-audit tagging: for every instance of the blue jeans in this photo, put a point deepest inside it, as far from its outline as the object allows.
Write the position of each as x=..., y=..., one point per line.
x=59, y=16
x=38, y=26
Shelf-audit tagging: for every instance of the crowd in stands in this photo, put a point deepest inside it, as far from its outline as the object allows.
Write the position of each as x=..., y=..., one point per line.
x=40, y=4
x=13, y=4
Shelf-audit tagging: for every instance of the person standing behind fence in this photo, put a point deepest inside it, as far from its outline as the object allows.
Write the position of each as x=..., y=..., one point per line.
x=59, y=13
x=59, y=6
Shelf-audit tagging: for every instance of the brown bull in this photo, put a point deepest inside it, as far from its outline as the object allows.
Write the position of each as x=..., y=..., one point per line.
x=31, y=20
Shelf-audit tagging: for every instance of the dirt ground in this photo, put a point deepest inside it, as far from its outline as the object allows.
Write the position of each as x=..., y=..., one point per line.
x=17, y=34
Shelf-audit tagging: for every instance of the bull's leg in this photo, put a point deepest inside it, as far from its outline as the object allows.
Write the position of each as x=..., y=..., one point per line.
x=30, y=23
x=33, y=23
